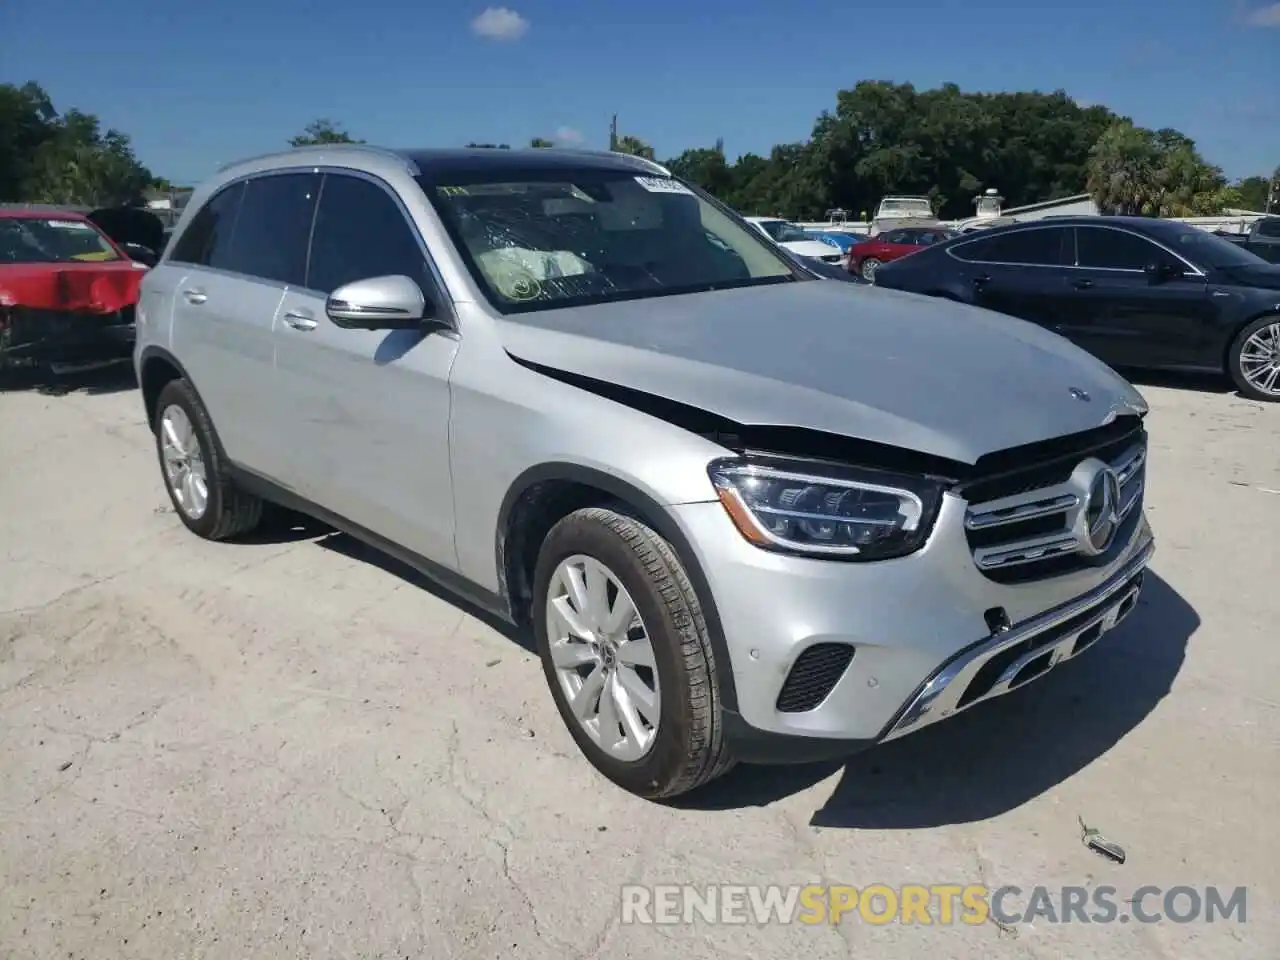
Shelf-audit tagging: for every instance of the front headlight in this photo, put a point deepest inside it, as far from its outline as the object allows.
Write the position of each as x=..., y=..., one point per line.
x=832, y=512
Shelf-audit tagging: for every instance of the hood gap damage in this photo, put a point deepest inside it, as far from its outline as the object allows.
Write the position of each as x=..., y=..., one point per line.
x=763, y=439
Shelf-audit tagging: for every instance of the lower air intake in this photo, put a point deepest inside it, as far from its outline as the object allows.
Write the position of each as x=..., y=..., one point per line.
x=815, y=673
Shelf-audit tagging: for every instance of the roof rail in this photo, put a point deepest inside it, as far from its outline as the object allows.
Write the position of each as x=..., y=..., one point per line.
x=329, y=148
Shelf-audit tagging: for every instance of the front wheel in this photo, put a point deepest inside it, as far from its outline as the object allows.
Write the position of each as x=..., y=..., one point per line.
x=1254, y=360
x=626, y=652
x=196, y=472
x=869, y=268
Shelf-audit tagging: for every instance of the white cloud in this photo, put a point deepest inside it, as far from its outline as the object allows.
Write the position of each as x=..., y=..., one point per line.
x=1268, y=16
x=499, y=23
x=568, y=135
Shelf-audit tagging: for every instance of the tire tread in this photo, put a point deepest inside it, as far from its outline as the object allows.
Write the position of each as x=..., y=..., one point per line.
x=236, y=512
x=706, y=754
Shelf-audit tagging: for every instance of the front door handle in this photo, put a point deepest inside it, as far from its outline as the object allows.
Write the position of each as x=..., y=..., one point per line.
x=980, y=279
x=194, y=296
x=300, y=321
x=1082, y=284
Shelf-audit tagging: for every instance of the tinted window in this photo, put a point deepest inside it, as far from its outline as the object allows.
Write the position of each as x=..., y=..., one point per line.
x=1115, y=249
x=1040, y=246
x=1269, y=227
x=361, y=232
x=273, y=226
x=209, y=233
x=895, y=236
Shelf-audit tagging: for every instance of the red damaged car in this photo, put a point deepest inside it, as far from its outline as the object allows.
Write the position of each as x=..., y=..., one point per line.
x=866, y=257
x=67, y=290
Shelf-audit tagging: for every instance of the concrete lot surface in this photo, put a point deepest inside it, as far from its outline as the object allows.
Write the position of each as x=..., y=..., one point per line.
x=291, y=748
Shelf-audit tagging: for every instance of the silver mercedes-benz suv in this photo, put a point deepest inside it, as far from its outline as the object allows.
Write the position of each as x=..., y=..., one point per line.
x=747, y=513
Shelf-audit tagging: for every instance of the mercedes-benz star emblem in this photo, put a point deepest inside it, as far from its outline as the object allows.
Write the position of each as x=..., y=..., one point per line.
x=1101, y=511
x=1079, y=394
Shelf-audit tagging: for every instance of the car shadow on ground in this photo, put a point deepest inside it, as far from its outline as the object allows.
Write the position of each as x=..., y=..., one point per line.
x=349, y=546
x=1001, y=754
x=1194, y=382
x=116, y=377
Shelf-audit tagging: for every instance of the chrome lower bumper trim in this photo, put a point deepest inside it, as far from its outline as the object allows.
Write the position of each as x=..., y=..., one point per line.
x=1072, y=628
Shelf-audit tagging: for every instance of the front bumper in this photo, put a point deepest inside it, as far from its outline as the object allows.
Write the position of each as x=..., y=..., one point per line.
x=56, y=336
x=931, y=635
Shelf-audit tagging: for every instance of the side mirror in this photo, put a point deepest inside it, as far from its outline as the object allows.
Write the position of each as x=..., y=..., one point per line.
x=379, y=303
x=140, y=253
x=1162, y=272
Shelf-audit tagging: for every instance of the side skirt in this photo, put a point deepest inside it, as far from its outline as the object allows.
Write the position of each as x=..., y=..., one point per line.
x=450, y=580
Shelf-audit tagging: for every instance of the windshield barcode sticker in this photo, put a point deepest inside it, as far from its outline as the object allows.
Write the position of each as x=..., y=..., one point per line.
x=663, y=185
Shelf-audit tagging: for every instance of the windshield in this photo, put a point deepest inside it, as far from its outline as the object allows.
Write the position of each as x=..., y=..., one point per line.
x=783, y=232
x=570, y=238
x=1207, y=249
x=52, y=240
x=906, y=205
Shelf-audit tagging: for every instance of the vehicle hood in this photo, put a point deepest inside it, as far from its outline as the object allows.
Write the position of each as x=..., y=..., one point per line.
x=810, y=248
x=923, y=374
x=1265, y=276
x=80, y=287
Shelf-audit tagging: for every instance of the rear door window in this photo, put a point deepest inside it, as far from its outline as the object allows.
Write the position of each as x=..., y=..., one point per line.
x=361, y=232
x=1103, y=248
x=207, y=238
x=1039, y=246
x=273, y=227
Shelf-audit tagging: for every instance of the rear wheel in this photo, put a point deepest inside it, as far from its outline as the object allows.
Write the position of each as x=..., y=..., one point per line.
x=196, y=472
x=1254, y=359
x=625, y=650
x=869, y=268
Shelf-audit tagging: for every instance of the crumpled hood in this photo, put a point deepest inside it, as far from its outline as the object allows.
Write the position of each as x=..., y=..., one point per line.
x=79, y=287
x=918, y=373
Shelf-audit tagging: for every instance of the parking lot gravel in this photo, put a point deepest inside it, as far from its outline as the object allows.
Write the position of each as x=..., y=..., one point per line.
x=291, y=747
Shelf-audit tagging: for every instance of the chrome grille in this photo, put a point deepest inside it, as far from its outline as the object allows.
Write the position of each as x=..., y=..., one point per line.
x=1052, y=529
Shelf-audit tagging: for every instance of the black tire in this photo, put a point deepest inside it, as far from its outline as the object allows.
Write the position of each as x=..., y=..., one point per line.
x=230, y=512
x=1234, y=366
x=868, y=269
x=689, y=749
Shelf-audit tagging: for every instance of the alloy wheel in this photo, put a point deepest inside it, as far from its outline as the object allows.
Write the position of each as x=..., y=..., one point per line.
x=603, y=657
x=184, y=466
x=1260, y=359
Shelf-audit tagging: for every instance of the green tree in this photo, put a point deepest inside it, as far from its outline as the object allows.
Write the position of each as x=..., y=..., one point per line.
x=707, y=168
x=1140, y=172
x=541, y=143
x=322, y=131
x=26, y=121
x=1253, y=192
x=634, y=146
x=47, y=157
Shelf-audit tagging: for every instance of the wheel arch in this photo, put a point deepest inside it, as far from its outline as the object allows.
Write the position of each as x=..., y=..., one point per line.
x=156, y=368
x=543, y=494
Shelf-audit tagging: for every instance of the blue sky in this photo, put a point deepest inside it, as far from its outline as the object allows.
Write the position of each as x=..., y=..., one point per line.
x=203, y=83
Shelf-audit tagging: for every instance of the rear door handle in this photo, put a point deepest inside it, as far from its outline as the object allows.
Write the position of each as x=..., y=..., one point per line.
x=194, y=296
x=1082, y=284
x=300, y=321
